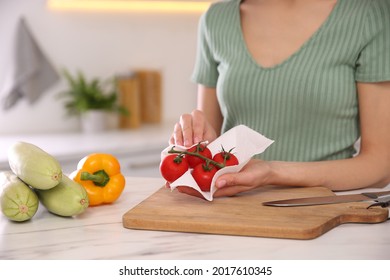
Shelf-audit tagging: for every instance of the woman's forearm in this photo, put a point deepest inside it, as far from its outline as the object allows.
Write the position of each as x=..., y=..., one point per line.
x=368, y=169
x=347, y=174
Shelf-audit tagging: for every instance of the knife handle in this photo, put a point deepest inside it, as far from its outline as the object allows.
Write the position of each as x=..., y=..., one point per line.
x=375, y=195
x=382, y=204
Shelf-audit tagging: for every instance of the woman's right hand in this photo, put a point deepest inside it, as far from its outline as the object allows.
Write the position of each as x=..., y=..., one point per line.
x=192, y=129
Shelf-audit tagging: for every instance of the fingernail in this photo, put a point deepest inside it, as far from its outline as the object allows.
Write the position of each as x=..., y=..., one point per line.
x=221, y=184
x=187, y=143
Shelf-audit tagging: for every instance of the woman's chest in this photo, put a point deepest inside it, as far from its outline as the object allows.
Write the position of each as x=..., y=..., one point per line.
x=273, y=32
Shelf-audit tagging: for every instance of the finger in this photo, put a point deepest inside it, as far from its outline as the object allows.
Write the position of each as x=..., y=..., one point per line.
x=231, y=191
x=186, y=129
x=235, y=179
x=198, y=126
x=177, y=136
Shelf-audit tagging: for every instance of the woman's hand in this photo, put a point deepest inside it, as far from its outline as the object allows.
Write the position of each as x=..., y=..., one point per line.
x=192, y=129
x=253, y=175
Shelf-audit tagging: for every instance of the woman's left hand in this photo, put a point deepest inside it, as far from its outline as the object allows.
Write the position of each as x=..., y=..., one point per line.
x=254, y=174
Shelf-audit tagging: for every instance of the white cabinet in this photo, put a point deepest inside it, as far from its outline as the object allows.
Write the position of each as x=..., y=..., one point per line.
x=142, y=163
x=138, y=150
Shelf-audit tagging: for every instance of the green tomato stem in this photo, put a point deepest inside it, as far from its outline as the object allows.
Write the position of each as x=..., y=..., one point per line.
x=208, y=160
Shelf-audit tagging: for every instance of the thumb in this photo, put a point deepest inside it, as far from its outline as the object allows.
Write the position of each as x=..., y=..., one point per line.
x=235, y=179
x=231, y=179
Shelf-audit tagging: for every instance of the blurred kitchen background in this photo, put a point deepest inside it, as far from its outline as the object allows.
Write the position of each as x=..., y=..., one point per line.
x=105, y=43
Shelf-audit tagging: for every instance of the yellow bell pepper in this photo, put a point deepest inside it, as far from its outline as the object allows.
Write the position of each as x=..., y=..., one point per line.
x=101, y=177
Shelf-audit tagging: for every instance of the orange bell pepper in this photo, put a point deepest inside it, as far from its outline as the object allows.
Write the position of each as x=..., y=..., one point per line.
x=101, y=177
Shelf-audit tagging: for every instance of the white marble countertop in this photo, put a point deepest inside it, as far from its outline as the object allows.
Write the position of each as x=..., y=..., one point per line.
x=98, y=234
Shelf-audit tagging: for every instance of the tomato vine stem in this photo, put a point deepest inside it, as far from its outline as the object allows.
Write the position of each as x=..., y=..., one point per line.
x=208, y=160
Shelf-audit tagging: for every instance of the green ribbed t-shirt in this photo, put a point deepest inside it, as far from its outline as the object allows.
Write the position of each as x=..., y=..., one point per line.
x=308, y=103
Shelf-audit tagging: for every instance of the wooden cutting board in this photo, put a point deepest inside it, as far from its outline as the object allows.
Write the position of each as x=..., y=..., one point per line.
x=245, y=215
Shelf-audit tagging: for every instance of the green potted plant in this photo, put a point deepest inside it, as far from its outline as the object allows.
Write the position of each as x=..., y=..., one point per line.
x=91, y=100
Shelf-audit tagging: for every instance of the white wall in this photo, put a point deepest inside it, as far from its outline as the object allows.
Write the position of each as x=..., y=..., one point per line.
x=102, y=45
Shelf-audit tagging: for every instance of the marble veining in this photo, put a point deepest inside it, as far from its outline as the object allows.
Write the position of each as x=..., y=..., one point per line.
x=98, y=234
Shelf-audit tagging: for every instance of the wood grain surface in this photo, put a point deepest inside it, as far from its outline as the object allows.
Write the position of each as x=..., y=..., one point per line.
x=245, y=215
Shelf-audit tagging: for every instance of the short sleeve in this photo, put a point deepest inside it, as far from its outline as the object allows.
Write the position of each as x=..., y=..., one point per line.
x=205, y=70
x=373, y=64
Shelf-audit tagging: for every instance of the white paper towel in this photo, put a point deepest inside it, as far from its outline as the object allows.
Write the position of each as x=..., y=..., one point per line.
x=246, y=143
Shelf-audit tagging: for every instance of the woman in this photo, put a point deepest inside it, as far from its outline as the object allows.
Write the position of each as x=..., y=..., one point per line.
x=312, y=75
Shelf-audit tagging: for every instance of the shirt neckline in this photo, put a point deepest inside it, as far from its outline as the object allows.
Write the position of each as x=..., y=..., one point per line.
x=327, y=21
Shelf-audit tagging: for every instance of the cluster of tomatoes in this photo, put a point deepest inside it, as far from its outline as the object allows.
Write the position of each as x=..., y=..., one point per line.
x=199, y=159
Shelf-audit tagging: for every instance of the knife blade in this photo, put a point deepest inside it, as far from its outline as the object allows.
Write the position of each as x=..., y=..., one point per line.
x=331, y=199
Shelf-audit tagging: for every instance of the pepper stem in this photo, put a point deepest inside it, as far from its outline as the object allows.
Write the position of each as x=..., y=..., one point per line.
x=99, y=178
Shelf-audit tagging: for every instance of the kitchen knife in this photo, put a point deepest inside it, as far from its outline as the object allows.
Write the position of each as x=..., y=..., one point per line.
x=381, y=197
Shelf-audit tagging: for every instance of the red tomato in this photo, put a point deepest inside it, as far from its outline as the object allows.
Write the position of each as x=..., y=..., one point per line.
x=203, y=175
x=226, y=158
x=200, y=149
x=173, y=166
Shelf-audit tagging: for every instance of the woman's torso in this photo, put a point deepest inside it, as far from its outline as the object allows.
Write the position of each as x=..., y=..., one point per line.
x=306, y=101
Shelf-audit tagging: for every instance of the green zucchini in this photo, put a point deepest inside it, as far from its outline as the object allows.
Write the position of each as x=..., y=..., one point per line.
x=67, y=199
x=34, y=166
x=18, y=201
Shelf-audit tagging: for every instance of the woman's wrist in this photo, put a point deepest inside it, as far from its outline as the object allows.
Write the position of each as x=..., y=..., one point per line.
x=267, y=172
x=291, y=174
x=274, y=175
